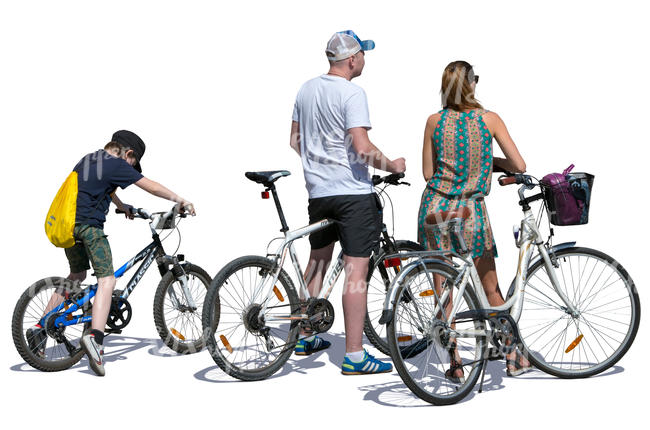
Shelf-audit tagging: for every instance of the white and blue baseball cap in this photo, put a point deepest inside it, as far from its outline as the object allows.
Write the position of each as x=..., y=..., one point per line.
x=345, y=44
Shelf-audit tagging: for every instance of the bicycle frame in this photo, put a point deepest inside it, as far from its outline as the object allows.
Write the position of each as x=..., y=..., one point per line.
x=279, y=258
x=530, y=237
x=153, y=251
x=148, y=254
x=286, y=246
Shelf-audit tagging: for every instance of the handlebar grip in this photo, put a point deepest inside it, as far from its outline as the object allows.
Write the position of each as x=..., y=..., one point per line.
x=507, y=180
x=134, y=211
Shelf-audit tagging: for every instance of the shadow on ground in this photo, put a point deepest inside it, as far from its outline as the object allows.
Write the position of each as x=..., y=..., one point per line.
x=117, y=347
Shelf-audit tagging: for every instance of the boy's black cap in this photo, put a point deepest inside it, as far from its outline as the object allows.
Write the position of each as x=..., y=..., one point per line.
x=132, y=141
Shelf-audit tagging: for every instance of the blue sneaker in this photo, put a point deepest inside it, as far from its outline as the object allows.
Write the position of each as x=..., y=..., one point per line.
x=368, y=365
x=305, y=347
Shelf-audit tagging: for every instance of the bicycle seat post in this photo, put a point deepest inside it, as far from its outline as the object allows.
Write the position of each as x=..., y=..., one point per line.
x=278, y=206
x=456, y=229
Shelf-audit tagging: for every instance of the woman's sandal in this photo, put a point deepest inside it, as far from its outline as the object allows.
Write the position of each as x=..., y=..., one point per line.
x=450, y=373
x=518, y=368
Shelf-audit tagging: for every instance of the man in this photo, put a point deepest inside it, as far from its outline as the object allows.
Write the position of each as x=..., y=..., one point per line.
x=330, y=132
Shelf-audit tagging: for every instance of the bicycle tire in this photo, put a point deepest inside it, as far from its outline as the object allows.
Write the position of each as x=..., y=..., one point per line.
x=234, y=337
x=29, y=310
x=572, y=342
x=422, y=354
x=378, y=285
x=184, y=332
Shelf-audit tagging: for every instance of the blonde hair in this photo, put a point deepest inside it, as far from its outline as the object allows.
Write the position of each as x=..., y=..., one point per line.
x=456, y=90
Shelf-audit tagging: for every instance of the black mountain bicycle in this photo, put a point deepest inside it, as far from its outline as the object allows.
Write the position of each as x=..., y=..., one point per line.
x=177, y=307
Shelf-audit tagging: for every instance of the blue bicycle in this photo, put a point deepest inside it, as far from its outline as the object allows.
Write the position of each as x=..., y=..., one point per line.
x=47, y=331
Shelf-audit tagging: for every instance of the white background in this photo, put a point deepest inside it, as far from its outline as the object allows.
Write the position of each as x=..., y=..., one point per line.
x=210, y=87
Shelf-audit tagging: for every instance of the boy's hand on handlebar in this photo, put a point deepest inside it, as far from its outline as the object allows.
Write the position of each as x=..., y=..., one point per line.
x=128, y=211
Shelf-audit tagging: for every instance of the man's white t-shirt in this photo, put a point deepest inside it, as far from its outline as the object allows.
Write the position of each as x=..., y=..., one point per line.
x=326, y=108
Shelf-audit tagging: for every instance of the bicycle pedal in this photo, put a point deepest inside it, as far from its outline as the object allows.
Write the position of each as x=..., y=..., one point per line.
x=112, y=331
x=494, y=354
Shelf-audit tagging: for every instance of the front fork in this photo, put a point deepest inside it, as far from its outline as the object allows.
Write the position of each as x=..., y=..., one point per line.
x=179, y=275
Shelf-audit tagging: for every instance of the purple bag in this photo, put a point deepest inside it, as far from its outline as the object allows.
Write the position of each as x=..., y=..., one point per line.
x=567, y=196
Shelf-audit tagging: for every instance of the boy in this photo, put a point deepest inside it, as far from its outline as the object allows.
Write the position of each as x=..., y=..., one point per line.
x=99, y=175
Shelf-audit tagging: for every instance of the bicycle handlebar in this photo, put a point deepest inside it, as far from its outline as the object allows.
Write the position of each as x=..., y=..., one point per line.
x=136, y=212
x=515, y=178
x=392, y=179
x=142, y=213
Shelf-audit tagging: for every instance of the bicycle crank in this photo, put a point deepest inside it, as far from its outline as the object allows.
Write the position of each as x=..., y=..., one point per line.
x=320, y=314
x=120, y=314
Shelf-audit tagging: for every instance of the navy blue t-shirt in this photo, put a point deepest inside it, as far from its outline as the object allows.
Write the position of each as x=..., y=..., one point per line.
x=99, y=174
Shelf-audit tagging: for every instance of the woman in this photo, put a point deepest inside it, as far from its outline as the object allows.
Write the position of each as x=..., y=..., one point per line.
x=457, y=164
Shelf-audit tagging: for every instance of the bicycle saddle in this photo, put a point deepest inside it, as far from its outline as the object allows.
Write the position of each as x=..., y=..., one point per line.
x=445, y=216
x=267, y=178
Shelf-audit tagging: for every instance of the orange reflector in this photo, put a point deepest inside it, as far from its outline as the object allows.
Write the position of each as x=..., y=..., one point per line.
x=278, y=294
x=226, y=343
x=493, y=314
x=393, y=262
x=404, y=338
x=426, y=293
x=574, y=344
x=68, y=317
x=177, y=334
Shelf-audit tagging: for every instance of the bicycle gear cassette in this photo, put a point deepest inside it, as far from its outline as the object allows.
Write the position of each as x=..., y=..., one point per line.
x=321, y=315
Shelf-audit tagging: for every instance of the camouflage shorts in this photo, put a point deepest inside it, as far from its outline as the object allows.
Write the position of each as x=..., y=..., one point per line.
x=92, y=245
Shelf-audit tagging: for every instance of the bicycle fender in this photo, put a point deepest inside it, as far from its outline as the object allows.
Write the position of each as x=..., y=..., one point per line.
x=389, y=301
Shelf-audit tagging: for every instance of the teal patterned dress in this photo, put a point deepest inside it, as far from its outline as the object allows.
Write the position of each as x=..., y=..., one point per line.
x=462, y=147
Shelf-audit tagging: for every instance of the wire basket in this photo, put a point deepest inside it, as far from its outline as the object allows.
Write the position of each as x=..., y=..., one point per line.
x=567, y=197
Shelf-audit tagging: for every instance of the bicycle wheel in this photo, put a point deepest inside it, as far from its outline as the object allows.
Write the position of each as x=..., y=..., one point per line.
x=603, y=330
x=180, y=325
x=52, y=349
x=243, y=345
x=379, y=279
x=421, y=341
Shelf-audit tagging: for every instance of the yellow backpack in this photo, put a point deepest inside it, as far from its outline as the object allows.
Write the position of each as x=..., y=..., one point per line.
x=59, y=224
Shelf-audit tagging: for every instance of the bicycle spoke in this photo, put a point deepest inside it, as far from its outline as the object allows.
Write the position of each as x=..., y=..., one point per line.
x=589, y=341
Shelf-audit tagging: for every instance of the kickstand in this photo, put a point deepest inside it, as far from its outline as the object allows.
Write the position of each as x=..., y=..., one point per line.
x=480, y=387
x=492, y=354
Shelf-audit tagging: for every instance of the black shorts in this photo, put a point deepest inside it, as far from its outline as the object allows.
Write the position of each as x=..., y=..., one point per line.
x=358, y=223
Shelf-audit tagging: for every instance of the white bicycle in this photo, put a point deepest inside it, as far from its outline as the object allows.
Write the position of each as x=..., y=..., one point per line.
x=252, y=312
x=573, y=312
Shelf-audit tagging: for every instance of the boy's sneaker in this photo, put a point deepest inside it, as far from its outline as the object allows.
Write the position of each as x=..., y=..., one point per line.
x=36, y=340
x=368, y=365
x=95, y=353
x=305, y=347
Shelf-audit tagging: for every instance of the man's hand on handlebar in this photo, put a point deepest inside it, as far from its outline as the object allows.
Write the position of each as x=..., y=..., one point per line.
x=397, y=166
x=188, y=207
